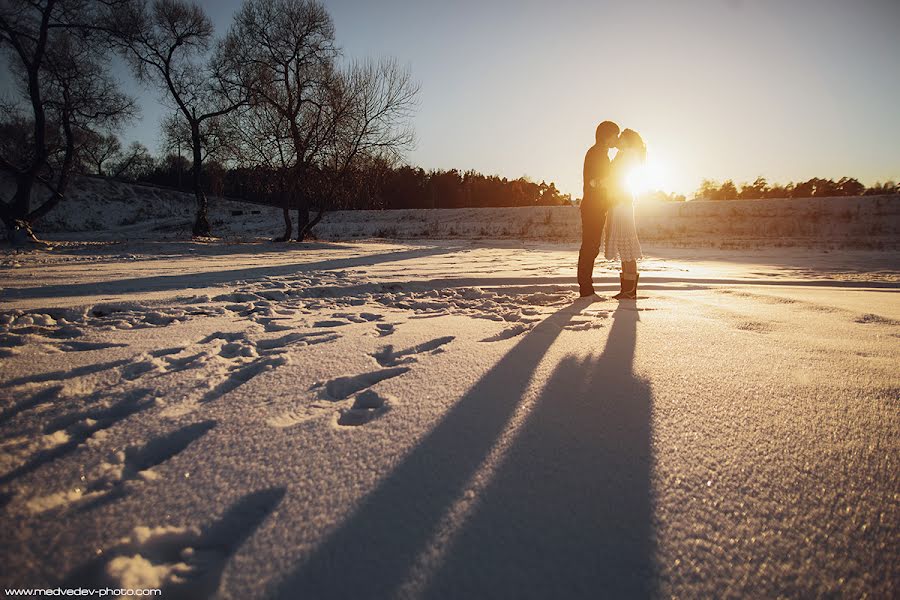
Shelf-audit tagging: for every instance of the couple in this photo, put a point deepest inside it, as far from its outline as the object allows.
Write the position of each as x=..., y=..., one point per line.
x=607, y=206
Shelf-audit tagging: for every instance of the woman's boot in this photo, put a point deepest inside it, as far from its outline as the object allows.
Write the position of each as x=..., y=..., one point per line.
x=628, y=284
x=621, y=293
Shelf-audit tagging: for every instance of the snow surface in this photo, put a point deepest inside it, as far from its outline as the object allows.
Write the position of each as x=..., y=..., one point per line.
x=445, y=419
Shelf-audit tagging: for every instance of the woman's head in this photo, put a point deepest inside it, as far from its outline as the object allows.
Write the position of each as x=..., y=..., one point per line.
x=631, y=140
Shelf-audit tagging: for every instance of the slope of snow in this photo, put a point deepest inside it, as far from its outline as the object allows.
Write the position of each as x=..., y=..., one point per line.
x=445, y=419
x=111, y=210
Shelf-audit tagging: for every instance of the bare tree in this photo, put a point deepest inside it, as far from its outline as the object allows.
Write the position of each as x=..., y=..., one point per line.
x=289, y=46
x=368, y=115
x=55, y=53
x=170, y=43
x=134, y=163
x=332, y=117
x=213, y=135
x=99, y=149
x=260, y=145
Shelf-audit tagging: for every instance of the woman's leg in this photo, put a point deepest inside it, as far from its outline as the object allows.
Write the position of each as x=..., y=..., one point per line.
x=628, y=279
x=631, y=278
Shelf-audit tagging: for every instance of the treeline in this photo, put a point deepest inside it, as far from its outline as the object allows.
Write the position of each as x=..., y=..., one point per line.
x=371, y=185
x=409, y=187
x=813, y=188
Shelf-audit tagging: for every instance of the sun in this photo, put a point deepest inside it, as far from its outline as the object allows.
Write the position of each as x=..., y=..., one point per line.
x=647, y=177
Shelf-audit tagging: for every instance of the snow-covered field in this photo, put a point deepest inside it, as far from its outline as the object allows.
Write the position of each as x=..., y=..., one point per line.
x=445, y=419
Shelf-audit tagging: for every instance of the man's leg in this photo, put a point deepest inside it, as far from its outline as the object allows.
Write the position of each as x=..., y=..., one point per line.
x=592, y=221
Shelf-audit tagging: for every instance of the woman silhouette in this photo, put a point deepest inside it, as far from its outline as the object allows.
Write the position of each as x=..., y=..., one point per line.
x=621, y=234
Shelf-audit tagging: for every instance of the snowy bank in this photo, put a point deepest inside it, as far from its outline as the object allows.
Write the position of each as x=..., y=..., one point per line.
x=106, y=209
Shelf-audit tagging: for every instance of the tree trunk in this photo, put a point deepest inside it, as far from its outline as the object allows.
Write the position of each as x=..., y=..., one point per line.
x=201, y=224
x=57, y=194
x=14, y=215
x=21, y=203
x=19, y=234
x=288, y=228
x=310, y=224
x=300, y=202
x=302, y=222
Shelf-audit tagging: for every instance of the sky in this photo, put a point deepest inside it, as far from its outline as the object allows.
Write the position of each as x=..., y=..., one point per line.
x=720, y=89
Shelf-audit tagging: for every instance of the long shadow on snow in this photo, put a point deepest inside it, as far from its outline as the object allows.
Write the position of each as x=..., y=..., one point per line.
x=180, y=248
x=568, y=512
x=369, y=555
x=212, y=278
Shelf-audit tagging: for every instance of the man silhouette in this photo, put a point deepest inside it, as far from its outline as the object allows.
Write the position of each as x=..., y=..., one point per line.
x=594, y=203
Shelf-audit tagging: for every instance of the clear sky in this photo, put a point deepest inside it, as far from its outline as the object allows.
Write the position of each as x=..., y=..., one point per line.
x=787, y=89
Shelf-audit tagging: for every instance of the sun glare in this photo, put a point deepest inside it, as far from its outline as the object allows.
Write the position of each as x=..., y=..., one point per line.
x=648, y=177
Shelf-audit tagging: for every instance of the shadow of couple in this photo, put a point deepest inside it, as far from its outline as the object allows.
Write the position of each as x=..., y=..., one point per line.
x=567, y=511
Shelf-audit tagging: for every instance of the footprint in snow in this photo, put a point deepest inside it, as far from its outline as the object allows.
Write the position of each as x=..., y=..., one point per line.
x=184, y=562
x=509, y=332
x=242, y=373
x=82, y=346
x=295, y=339
x=76, y=428
x=242, y=297
x=870, y=318
x=166, y=351
x=127, y=470
x=64, y=375
x=341, y=388
x=384, y=329
x=367, y=406
x=583, y=325
x=754, y=326
x=274, y=324
x=387, y=357
x=244, y=359
x=330, y=323
x=41, y=397
x=363, y=317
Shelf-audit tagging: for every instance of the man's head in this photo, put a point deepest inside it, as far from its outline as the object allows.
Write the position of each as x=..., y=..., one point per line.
x=607, y=133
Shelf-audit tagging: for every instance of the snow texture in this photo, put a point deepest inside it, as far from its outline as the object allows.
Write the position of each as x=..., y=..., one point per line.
x=446, y=419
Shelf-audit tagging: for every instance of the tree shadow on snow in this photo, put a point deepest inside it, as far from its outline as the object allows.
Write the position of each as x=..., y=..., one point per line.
x=568, y=513
x=213, y=278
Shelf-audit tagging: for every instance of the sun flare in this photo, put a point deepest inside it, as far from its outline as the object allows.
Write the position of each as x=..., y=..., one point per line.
x=647, y=177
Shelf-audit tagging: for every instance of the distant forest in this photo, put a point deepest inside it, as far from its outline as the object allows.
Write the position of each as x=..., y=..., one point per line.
x=376, y=185
x=813, y=188
x=381, y=186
